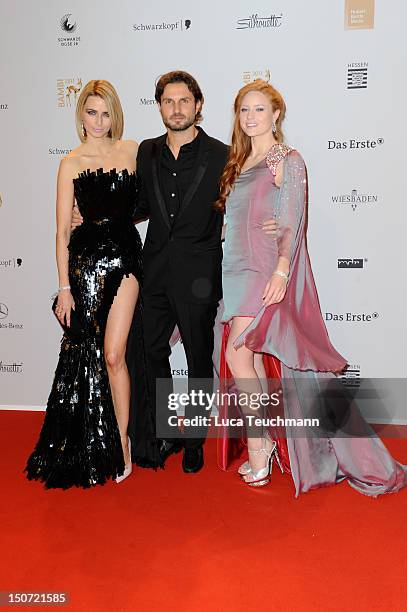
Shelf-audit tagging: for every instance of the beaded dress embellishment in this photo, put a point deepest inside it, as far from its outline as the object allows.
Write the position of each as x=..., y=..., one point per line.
x=277, y=152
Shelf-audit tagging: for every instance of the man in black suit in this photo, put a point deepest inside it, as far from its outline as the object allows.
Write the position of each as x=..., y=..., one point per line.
x=179, y=175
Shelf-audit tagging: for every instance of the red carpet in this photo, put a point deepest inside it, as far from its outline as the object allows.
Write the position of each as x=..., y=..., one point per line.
x=173, y=542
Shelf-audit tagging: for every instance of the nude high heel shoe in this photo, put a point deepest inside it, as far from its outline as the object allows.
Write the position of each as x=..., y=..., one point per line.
x=128, y=468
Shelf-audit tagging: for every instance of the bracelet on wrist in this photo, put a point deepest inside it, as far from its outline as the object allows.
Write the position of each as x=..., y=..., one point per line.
x=281, y=273
x=64, y=288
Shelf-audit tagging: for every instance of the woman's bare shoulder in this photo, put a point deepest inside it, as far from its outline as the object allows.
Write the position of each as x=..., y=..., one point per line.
x=72, y=163
x=129, y=146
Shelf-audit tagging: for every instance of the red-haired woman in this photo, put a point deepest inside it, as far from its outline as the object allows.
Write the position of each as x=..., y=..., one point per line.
x=273, y=325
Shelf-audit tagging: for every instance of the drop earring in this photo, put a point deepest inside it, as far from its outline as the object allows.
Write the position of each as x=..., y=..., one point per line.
x=274, y=128
x=83, y=131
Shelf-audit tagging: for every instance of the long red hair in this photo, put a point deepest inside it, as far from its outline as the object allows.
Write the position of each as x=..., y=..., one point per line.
x=241, y=143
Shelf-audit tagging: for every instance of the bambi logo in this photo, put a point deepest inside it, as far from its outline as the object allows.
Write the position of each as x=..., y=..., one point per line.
x=66, y=88
x=71, y=89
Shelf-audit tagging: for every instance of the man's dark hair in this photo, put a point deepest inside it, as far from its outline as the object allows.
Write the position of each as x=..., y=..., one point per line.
x=179, y=76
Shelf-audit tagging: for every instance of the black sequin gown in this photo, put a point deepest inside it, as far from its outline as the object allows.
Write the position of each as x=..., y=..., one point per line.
x=79, y=444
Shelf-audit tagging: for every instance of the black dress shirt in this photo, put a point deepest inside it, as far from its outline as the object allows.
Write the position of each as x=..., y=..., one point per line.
x=176, y=174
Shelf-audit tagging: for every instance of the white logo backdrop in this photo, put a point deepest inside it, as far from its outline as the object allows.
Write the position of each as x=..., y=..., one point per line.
x=352, y=139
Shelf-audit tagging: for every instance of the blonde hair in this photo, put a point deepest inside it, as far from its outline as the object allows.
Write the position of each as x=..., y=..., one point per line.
x=106, y=91
x=241, y=142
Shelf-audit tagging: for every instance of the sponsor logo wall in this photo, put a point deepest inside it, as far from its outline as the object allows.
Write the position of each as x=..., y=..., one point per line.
x=349, y=263
x=351, y=376
x=260, y=21
x=165, y=26
x=68, y=25
x=359, y=14
x=352, y=317
x=353, y=143
x=355, y=199
x=332, y=77
x=7, y=321
x=357, y=75
x=10, y=263
x=11, y=368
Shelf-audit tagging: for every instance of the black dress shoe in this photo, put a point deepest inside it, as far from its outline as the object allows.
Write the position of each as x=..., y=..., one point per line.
x=168, y=448
x=193, y=460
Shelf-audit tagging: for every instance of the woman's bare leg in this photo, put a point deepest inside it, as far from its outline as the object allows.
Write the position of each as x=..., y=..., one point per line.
x=261, y=371
x=117, y=331
x=241, y=363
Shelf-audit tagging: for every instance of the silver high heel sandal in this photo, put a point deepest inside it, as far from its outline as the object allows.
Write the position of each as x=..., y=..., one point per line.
x=263, y=476
x=245, y=468
x=128, y=468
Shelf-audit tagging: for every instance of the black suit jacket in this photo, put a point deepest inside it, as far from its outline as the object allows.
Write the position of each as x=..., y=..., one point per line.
x=184, y=257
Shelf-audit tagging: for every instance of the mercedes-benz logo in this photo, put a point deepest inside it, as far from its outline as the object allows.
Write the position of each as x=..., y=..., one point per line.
x=3, y=311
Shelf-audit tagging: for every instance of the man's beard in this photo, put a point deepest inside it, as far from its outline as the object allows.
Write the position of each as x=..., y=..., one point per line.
x=179, y=127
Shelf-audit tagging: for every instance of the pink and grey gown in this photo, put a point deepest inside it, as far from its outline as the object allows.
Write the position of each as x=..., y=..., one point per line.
x=291, y=335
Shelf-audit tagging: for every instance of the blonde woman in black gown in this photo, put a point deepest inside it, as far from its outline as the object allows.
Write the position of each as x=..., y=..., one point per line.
x=84, y=440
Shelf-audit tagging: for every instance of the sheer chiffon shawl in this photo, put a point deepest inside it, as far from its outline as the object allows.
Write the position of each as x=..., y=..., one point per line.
x=294, y=330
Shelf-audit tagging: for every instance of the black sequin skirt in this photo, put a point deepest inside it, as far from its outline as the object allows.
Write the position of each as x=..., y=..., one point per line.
x=79, y=444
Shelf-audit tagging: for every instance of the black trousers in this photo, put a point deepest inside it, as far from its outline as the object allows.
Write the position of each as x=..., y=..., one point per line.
x=162, y=312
